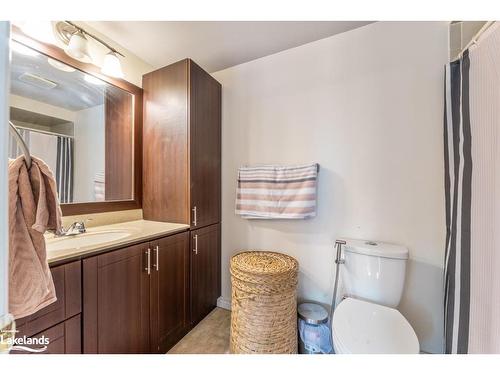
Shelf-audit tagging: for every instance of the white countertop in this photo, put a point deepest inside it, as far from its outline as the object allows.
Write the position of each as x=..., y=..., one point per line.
x=107, y=237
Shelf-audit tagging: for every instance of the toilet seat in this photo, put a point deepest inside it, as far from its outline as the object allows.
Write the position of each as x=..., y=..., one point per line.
x=365, y=327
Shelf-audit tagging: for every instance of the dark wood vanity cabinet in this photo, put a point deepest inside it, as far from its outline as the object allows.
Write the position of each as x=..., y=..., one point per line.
x=139, y=299
x=182, y=145
x=205, y=271
x=136, y=299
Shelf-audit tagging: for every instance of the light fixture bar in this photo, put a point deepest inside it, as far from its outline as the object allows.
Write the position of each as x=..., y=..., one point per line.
x=95, y=38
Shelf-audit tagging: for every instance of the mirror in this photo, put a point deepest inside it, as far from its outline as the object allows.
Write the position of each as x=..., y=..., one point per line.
x=82, y=127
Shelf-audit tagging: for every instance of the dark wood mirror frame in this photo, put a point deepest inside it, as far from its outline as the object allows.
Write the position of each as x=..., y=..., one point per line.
x=58, y=54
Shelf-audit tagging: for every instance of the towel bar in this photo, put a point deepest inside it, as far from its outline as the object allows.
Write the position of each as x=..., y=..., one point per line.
x=21, y=143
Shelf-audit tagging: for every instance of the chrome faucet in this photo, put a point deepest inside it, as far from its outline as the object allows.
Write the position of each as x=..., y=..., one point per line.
x=78, y=227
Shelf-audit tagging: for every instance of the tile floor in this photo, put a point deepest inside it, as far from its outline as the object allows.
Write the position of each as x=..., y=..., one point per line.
x=210, y=336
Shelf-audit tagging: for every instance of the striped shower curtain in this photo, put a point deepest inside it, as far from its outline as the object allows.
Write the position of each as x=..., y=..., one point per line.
x=64, y=169
x=472, y=185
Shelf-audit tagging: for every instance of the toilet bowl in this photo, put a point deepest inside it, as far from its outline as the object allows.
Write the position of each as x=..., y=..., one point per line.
x=360, y=327
x=373, y=277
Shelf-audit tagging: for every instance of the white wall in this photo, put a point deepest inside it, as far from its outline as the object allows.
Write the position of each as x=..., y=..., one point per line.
x=89, y=151
x=368, y=106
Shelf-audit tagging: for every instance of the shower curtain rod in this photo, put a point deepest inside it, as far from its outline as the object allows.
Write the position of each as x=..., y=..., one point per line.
x=21, y=143
x=44, y=132
x=476, y=37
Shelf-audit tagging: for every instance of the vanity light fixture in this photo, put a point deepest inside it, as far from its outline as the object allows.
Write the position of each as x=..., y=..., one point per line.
x=77, y=40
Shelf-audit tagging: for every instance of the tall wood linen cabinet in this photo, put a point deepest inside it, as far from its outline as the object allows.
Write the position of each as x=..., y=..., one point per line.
x=182, y=169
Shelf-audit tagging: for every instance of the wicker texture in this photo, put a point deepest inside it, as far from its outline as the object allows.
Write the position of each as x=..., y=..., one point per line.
x=264, y=303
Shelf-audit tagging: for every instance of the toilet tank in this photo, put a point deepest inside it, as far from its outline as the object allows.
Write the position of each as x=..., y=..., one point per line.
x=374, y=271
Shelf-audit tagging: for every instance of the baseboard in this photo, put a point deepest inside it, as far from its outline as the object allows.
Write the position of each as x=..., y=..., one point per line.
x=224, y=303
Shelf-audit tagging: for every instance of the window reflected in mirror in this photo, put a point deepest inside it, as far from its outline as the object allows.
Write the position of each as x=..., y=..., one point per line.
x=79, y=125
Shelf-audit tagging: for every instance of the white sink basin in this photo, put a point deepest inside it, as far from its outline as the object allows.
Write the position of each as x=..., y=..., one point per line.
x=85, y=240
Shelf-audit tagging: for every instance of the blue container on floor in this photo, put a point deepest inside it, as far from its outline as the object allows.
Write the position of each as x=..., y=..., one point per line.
x=314, y=334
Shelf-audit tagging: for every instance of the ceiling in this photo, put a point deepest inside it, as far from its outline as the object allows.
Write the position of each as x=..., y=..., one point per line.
x=215, y=45
x=72, y=91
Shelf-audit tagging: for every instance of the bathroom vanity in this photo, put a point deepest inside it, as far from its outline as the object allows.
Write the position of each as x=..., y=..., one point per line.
x=139, y=293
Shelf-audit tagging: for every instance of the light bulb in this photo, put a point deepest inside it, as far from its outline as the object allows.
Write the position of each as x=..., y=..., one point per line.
x=78, y=48
x=39, y=30
x=112, y=66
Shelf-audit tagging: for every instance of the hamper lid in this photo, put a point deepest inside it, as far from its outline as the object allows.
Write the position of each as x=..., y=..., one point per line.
x=263, y=262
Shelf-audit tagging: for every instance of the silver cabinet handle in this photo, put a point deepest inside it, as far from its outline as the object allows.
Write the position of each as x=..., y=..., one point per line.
x=157, y=260
x=148, y=263
x=195, y=244
x=195, y=216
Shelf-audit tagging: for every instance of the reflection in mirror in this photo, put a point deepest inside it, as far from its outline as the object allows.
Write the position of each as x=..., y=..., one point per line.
x=79, y=125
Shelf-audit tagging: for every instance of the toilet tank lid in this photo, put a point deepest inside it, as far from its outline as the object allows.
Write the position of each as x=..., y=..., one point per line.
x=376, y=249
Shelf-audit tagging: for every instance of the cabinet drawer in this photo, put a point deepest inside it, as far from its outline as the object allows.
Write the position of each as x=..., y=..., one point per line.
x=56, y=339
x=67, y=281
x=64, y=338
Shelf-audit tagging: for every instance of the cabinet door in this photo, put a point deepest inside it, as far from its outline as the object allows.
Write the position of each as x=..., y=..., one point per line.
x=205, y=271
x=116, y=301
x=165, y=140
x=56, y=340
x=169, y=291
x=205, y=147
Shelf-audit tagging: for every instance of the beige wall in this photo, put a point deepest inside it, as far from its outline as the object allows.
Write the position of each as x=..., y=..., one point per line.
x=368, y=106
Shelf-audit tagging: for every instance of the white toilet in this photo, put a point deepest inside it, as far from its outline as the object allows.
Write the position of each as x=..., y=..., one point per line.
x=366, y=321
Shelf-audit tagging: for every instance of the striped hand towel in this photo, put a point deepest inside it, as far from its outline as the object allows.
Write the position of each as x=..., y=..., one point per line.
x=273, y=192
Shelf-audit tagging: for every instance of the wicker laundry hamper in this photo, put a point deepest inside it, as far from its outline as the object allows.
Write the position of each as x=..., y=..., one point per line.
x=264, y=303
